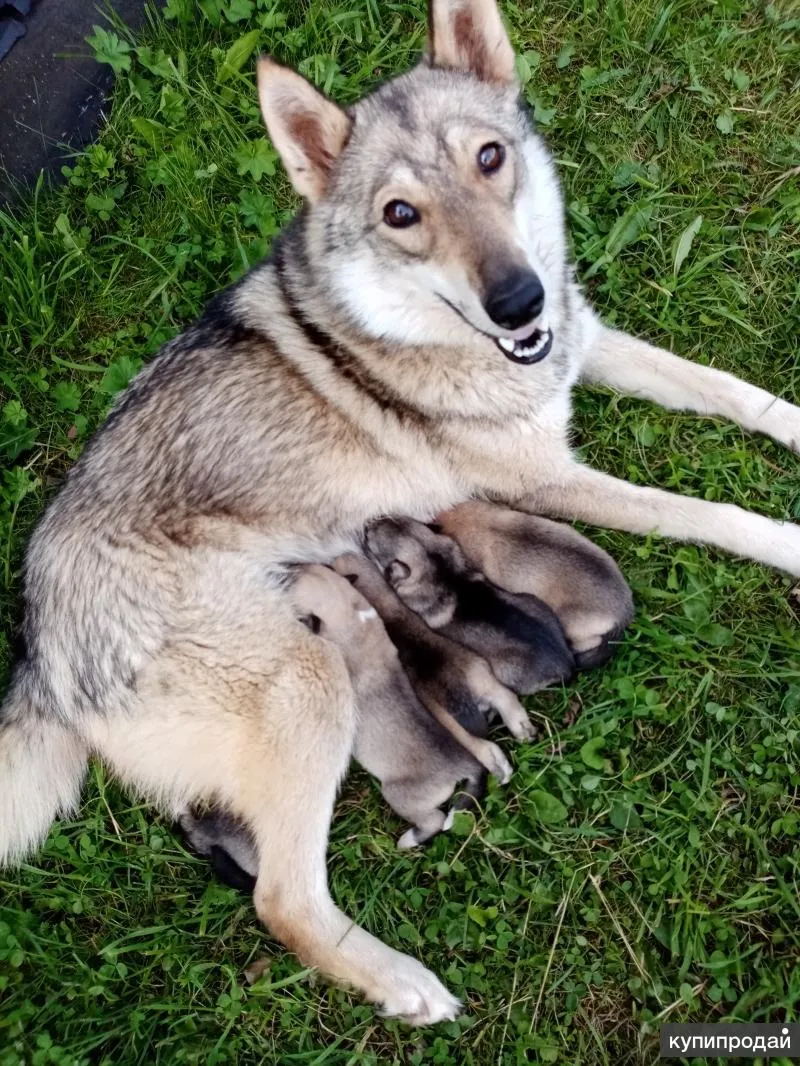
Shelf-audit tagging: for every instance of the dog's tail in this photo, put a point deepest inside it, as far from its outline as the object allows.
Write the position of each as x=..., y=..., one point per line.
x=42, y=764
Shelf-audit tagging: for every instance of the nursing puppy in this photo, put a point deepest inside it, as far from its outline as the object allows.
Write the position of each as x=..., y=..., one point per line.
x=418, y=762
x=226, y=842
x=444, y=674
x=519, y=635
x=526, y=554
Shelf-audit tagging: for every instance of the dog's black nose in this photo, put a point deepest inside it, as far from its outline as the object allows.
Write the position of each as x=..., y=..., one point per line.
x=516, y=300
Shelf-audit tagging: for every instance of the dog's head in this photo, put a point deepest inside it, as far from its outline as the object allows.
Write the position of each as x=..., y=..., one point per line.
x=435, y=208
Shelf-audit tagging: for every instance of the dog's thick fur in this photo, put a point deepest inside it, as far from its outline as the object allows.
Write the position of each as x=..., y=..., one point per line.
x=354, y=374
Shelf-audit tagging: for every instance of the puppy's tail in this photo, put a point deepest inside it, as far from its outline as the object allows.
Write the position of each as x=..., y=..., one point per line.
x=42, y=764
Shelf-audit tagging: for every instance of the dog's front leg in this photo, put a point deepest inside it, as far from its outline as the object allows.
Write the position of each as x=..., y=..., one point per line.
x=578, y=492
x=635, y=367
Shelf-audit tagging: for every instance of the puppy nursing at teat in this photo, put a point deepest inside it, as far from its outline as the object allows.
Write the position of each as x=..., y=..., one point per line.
x=431, y=644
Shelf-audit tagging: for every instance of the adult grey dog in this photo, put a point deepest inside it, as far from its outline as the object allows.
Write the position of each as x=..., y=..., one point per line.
x=413, y=342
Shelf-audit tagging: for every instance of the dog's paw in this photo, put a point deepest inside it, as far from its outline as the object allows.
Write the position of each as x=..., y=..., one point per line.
x=416, y=995
x=789, y=423
x=787, y=548
x=408, y=840
x=514, y=716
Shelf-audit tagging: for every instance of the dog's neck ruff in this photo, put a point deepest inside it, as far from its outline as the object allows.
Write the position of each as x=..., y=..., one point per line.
x=292, y=265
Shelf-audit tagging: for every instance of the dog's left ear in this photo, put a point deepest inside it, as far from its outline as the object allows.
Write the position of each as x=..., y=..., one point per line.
x=469, y=35
x=307, y=128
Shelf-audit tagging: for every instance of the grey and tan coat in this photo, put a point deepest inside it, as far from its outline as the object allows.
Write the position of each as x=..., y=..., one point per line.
x=411, y=343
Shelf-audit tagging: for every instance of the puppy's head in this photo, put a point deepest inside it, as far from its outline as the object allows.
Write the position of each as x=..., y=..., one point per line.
x=419, y=564
x=332, y=608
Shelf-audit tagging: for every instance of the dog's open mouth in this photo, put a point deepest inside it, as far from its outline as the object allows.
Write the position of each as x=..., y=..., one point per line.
x=529, y=349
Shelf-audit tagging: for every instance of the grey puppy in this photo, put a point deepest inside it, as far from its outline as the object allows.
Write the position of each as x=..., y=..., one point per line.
x=418, y=762
x=442, y=672
x=524, y=553
x=519, y=635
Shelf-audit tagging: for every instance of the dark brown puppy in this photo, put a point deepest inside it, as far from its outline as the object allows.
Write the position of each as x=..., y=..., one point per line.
x=519, y=635
x=523, y=553
x=442, y=672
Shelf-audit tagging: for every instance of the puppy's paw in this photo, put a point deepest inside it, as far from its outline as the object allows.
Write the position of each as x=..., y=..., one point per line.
x=522, y=728
x=499, y=766
x=514, y=716
x=408, y=840
x=416, y=995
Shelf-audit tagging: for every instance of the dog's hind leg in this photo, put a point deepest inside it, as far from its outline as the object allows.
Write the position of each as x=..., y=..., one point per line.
x=292, y=896
x=262, y=723
x=637, y=368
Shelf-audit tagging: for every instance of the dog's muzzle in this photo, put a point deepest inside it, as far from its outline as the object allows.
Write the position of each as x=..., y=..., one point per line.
x=516, y=303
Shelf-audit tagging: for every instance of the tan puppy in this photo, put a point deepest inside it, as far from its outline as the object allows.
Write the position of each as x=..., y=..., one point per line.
x=523, y=553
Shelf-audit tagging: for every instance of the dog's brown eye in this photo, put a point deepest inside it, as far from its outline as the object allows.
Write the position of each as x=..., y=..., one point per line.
x=491, y=157
x=398, y=214
x=313, y=621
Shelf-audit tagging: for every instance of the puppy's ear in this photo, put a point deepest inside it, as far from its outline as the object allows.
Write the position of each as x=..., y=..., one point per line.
x=469, y=35
x=313, y=621
x=444, y=546
x=308, y=130
x=397, y=571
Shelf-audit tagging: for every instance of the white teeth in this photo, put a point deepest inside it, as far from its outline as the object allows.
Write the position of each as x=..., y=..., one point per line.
x=537, y=347
x=506, y=344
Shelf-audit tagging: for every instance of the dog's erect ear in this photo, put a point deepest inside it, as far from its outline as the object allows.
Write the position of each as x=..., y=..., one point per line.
x=469, y=35
x=307, y=128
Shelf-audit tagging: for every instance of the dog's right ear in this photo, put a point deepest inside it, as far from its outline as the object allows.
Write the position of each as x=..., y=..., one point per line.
x=469, y=35
x=307, y=128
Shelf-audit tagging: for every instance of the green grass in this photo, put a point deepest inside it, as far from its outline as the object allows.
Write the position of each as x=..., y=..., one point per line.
x=643, y=862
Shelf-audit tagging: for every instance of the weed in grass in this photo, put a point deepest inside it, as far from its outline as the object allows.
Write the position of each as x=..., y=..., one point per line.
x=643, y=863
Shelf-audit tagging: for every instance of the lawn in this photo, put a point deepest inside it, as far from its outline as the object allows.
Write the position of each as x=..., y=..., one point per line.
x=643, y=863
